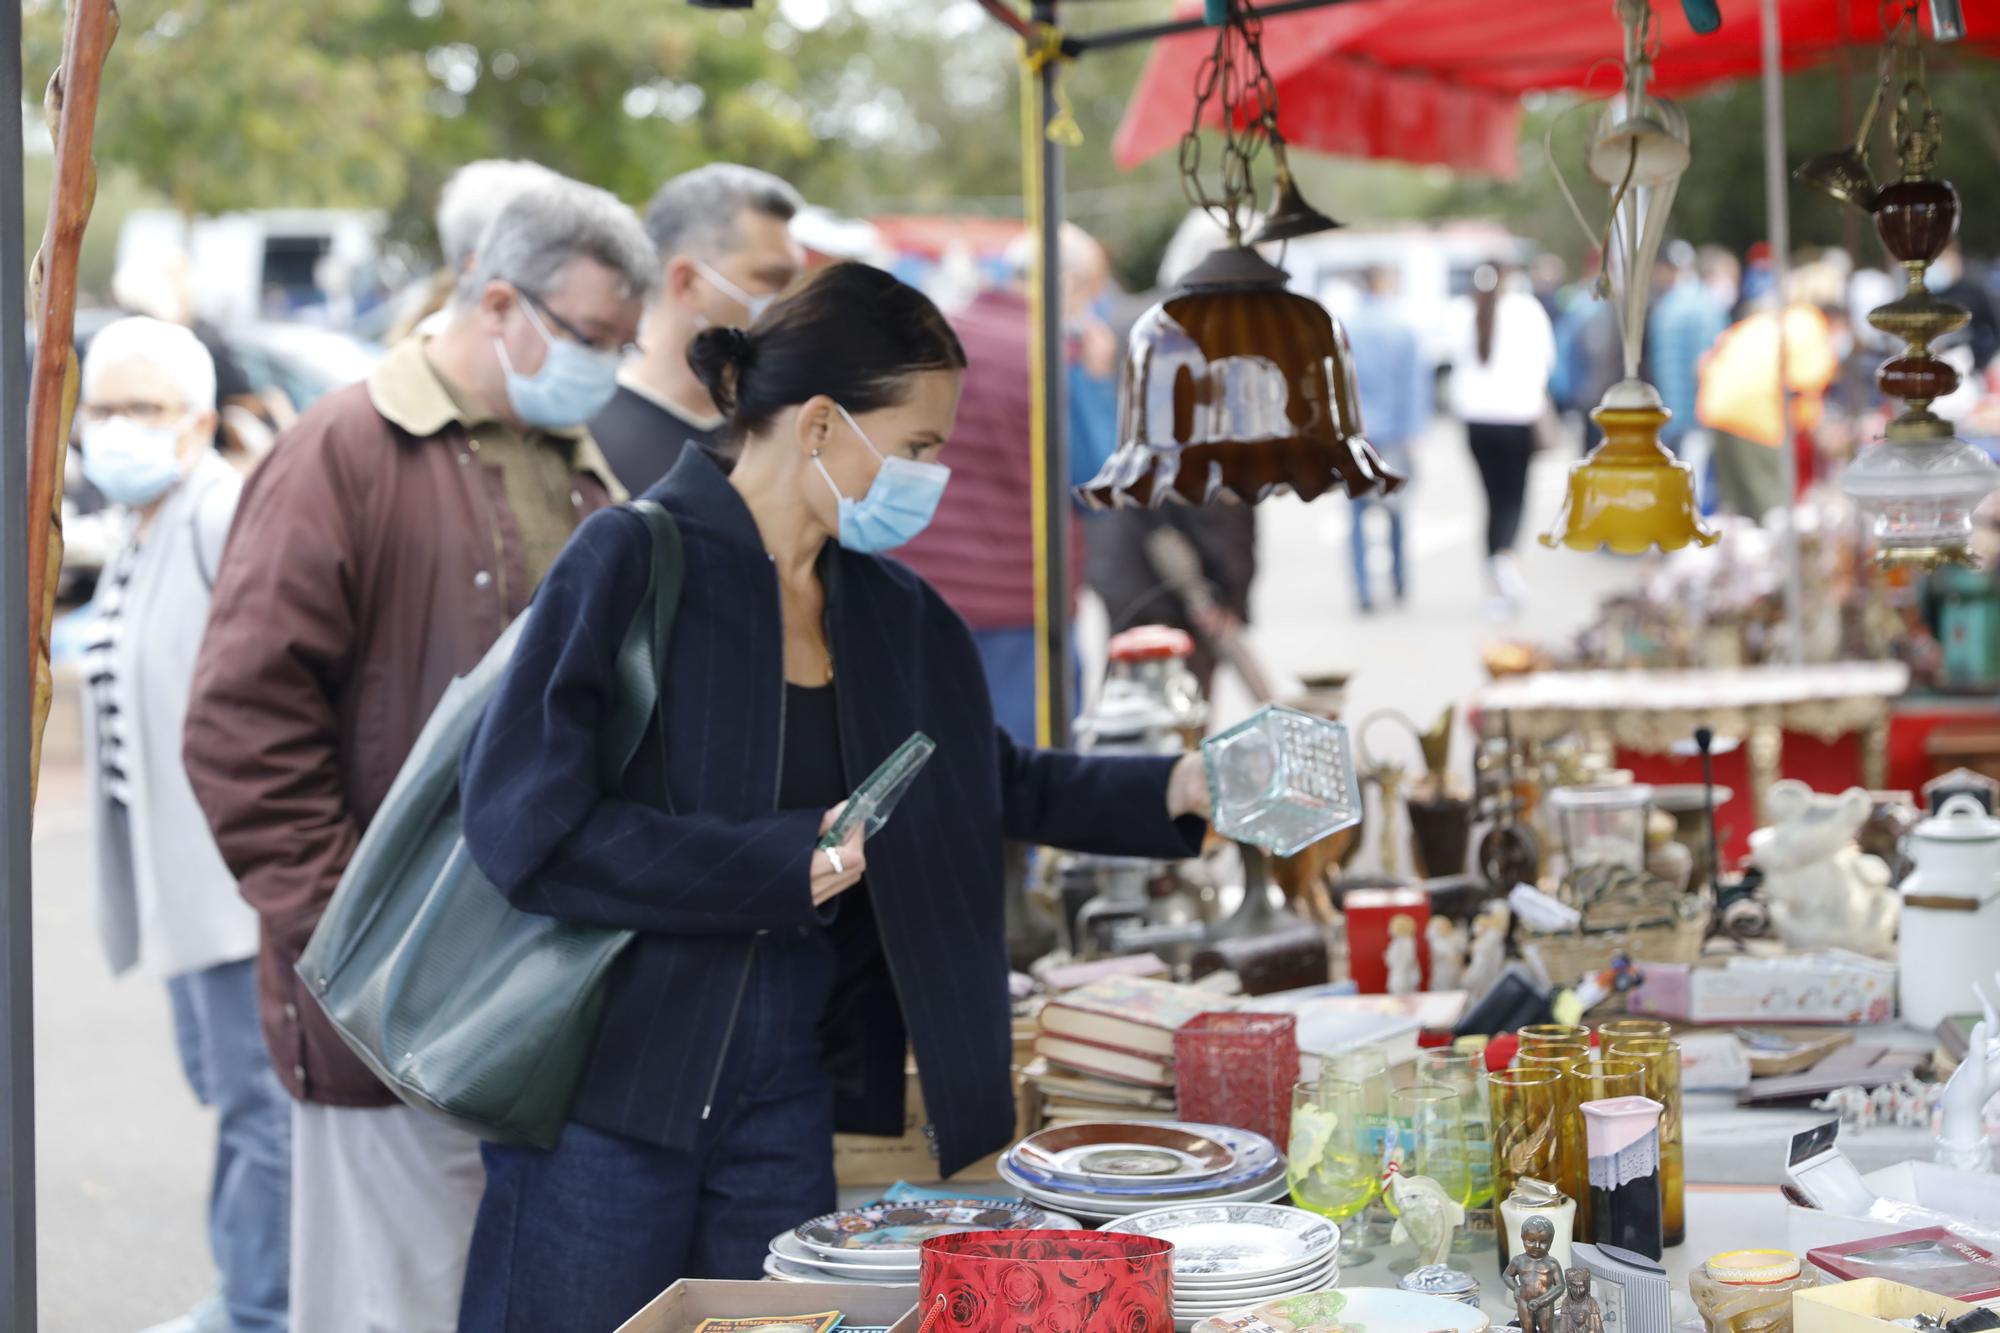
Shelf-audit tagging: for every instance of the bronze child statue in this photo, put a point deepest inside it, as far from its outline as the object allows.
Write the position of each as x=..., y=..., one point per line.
x=1535, y=1279
x=1580, y=1312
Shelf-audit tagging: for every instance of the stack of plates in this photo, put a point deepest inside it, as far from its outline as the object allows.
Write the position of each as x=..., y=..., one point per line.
x=1230, y=1257
x=1111, y=1169
x=880, y=1244
x=1357, y=1307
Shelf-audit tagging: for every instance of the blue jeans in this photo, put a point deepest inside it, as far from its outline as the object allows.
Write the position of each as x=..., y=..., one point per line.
x=250, y=1200
x=1009, y=658
x=1360, y=535
x=580, y=1238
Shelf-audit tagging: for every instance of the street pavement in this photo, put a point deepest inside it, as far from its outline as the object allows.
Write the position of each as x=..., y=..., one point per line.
x=125, y=1152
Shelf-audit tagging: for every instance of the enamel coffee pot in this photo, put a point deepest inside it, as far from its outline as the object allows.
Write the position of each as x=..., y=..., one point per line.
x=1950, y=933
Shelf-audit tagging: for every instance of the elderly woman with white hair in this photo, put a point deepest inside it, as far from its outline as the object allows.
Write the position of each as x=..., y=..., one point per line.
x=167, y=904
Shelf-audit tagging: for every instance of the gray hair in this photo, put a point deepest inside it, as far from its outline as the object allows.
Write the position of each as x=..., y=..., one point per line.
x=474, y=196
x=696, y=212
x=537, y=235
x=171, y=348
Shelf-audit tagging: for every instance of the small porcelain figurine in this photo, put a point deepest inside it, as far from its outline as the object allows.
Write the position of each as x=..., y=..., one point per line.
x=1489, y=951
x=1406, y=973
x=1961, y=1139
x=1447, y=953
x=1535, y=1279
x=1580, y=1312
x=1425, y=1214
x=1823, y=891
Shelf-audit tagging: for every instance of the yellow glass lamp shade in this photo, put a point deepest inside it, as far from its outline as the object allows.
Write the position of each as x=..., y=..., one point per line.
x=1236, y=384
x=1630, y=495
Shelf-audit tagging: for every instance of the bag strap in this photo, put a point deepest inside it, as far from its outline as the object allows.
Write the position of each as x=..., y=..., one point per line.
x=643, y=654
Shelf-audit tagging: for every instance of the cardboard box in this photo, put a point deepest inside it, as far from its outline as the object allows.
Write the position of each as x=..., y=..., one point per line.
x=1970, y=1196
x=680, y=1307
x=864, y=1159
x=1833, y=986
x=1865, y=1306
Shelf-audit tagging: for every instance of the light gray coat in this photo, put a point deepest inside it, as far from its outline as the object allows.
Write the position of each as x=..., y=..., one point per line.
x=166, y=902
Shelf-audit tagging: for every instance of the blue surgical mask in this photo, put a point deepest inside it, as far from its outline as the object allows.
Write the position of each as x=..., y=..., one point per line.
x=572, y=386
x=131, y=463
x=756, y=305
x=899, y=503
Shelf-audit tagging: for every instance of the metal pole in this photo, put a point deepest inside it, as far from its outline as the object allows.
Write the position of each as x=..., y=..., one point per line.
x=1152, y=32
x=17, y=1016
x=1057, y=636
x=1778, y=212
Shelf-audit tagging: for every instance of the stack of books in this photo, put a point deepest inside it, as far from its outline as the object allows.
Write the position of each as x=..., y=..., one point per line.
x=1106, y=1050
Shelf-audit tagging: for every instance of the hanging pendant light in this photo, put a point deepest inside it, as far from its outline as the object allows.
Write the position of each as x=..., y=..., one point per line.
x=1918, y=487
x=1631, y=494
x=1234, y=383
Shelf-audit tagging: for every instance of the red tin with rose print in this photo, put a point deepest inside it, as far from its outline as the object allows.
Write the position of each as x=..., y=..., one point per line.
x=1047, y=1282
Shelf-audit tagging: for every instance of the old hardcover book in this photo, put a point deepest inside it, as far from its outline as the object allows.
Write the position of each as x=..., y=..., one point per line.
x=1107, y=1061
x=1136, y=1014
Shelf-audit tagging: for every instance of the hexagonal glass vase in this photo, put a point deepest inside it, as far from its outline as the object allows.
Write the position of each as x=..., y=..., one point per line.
x=1282, y=780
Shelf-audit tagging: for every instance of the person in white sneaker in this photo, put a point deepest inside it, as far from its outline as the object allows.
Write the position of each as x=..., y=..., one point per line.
x=1502, y=353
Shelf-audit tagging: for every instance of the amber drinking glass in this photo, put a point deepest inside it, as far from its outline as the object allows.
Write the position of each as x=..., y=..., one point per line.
x=1662, y=1063
x=1550, y=1034
x=1572, y=1061
x=1615, y=1030
x=1524, y=1104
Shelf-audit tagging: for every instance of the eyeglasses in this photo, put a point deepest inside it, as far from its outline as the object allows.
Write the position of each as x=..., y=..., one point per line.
x=575, y=334
x=145, y=412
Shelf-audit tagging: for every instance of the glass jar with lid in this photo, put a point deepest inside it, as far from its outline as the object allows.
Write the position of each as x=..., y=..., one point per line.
x=1749, y=1291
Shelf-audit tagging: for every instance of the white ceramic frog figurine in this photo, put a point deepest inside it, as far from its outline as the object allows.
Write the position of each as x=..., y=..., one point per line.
x=1824, y=892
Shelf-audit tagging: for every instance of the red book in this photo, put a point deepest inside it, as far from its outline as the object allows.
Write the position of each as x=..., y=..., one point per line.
x=1106, y=1061
x=1932, y=1259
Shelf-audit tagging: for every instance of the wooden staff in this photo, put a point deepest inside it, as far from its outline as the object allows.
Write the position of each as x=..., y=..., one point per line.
x=71, y=108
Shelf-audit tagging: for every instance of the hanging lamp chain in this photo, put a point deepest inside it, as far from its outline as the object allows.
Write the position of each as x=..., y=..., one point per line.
x=1234, y=80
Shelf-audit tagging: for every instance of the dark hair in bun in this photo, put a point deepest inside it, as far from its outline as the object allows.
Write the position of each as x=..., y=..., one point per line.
x=849, y=331
x=717, y=356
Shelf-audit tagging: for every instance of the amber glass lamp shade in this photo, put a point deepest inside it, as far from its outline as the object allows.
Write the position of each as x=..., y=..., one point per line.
x=1630, y=495
x=1236, y=384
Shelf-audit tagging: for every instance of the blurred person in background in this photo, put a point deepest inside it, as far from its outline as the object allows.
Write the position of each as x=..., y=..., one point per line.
x=166, y=902
x=1589, y=355
x=161, y=286
x=979, y=552
x=1949, y=279
x=1683, y=324
x=1502, y=353
x=1547, y=276
x=1394, y=382
x=1759, y=278
x=1740, y=403
x=723, y=237
x=1721, y=274
x=471, y=198
x=398, y=528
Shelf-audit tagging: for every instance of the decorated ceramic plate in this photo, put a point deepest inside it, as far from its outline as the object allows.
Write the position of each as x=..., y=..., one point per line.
x=1197, y=1304
x=1115, y=1159
x=886, y=1227
x=1315, y=1276
x=1112, y=1152
x=1355, y=1310
x=1236, y=1240
x=863, y=1265
x=1271, y=1187
x=786, y=1270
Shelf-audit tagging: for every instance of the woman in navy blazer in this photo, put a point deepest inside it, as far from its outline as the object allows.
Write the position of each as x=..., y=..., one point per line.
x=772, y=988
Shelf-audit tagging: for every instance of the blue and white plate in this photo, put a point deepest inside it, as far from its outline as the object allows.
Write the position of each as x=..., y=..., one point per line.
x=900, y=1228
x=1251, y=1159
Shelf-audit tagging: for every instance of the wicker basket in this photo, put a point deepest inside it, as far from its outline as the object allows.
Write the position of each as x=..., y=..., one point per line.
x=1569, y=956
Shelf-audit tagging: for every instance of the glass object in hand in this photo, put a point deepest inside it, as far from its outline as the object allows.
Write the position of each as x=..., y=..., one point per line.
x=1282, y=780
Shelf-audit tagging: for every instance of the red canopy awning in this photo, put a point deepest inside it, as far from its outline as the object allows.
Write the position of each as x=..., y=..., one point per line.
x=1439, y=81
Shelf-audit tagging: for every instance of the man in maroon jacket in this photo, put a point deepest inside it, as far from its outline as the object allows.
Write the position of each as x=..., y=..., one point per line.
x=385, y=542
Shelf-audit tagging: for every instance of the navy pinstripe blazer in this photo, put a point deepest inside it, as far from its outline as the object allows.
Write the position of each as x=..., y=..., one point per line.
x=695, y=857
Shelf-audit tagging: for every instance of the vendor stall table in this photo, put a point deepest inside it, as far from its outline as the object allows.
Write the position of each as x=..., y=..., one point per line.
x=1827, y=725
